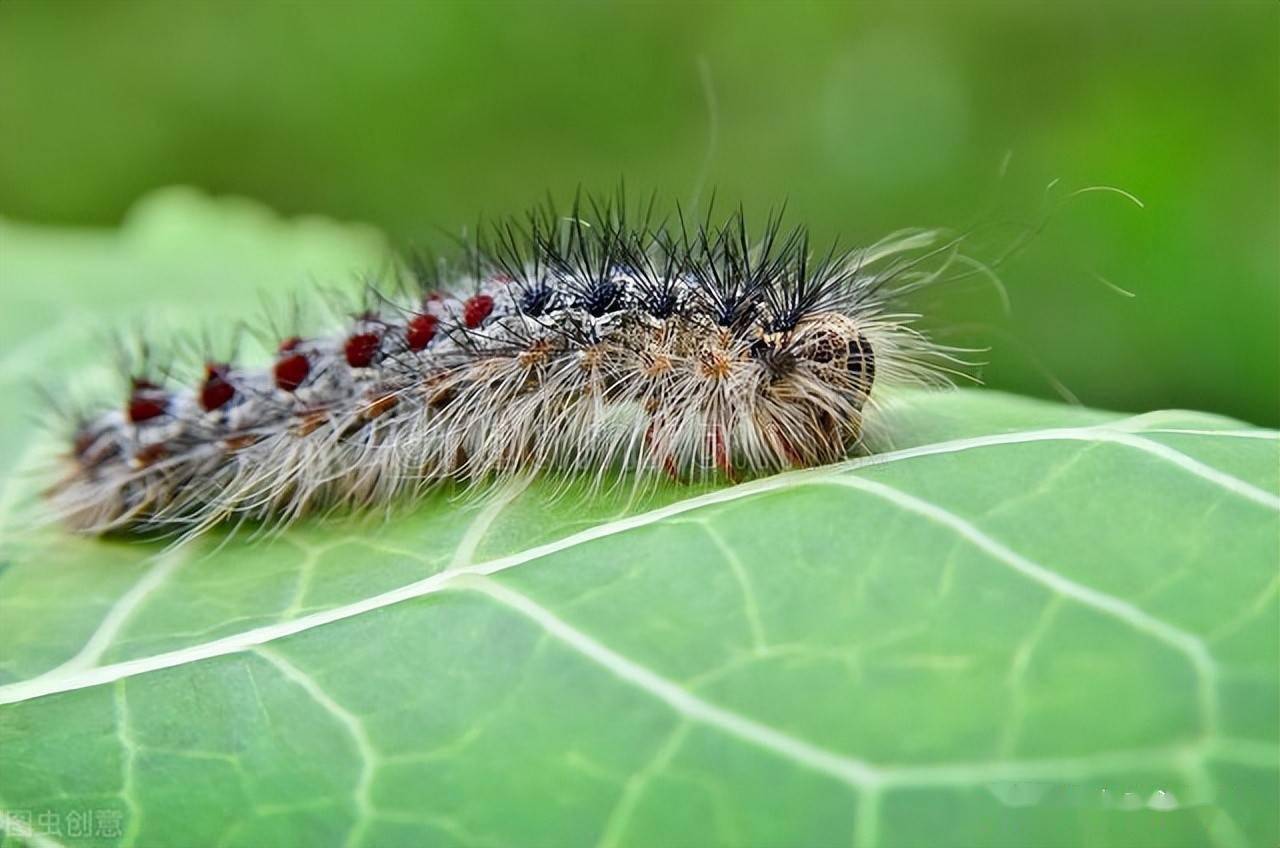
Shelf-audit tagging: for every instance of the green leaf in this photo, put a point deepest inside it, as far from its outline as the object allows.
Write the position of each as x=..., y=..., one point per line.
x=1023, y=624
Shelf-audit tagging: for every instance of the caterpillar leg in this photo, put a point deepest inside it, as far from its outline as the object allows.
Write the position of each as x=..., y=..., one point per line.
x=720, y=448
x=668, y=461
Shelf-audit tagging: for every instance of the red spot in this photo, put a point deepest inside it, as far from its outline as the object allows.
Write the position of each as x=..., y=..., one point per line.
x=420, y=332
x=289, y=344
x=720, y=448
x=361, y=348
x=475, y=310
x=433, y=297
x=291, y=371
x=216, y=391
x=788, y=450
x=668, y=461
x=145, y=405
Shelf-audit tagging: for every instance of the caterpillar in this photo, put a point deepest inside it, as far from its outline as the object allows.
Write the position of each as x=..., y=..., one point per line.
x=561, y=344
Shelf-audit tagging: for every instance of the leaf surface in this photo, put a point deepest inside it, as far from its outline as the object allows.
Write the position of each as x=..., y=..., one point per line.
x=1019, y=624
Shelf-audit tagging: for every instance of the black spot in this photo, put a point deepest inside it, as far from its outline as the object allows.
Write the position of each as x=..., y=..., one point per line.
x=536, y=300
x=601, y=297
x=734, y=312
x=661, y=305
x=783, y=323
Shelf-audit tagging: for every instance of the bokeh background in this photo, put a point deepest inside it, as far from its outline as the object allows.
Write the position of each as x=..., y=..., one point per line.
x=424, y=116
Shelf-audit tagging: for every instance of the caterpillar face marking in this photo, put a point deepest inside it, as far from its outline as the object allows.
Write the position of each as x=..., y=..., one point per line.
x=573, y=344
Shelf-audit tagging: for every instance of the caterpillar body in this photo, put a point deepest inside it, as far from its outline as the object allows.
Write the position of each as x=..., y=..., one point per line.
x=563, y=344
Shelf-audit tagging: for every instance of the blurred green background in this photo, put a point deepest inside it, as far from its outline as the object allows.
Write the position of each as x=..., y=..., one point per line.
x=863, y=117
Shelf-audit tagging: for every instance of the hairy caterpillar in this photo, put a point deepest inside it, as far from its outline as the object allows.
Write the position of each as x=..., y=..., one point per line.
x=566, y=344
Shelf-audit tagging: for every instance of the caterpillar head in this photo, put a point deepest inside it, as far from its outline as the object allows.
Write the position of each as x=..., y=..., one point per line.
x=820, y=374
x=832, y=347
x=828, y=348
